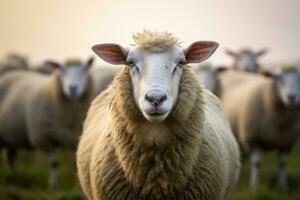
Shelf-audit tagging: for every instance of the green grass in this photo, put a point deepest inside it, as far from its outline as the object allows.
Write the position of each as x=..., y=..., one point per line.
x=267, y=189
x=29, y=181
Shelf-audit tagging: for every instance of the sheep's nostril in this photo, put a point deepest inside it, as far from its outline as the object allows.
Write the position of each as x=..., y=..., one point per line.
x=162, y=98
x=73, y=90
x=155, y=98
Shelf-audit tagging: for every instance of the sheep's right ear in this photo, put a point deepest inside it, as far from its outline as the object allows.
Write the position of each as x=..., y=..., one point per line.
x=200, y=51
x=53, y=64
x=111, y=53
x=89, y=63
x=271, y=73
x=231, y=53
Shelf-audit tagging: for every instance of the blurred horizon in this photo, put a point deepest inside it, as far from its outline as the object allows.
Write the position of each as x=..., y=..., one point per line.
x=60, y=29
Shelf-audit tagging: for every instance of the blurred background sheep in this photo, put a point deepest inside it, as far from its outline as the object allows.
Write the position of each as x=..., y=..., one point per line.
x=14, y=61
x=44, y=112
x=264, y=114
x=246, y=59
x=33, y=31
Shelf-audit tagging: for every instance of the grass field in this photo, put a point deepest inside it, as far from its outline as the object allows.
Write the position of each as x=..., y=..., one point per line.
x=29, y=182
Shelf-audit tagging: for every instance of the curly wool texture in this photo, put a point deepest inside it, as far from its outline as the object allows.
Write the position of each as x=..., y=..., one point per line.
x=200, y=159
x=43, y=117
x=258, y=117
x=155, y=41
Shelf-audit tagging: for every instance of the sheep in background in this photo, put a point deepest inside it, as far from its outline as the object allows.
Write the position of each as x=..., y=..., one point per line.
x=45, y=111
x=156, y=133
x=14, y=61
x=209, y=75
x=264, y=114
x=43, y=69
x=103, y=76
x=246, y=59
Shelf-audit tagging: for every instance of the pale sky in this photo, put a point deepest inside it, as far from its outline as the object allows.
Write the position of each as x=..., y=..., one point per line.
x=66, y=28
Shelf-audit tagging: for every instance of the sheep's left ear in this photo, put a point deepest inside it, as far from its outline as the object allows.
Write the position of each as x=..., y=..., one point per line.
x=89, y=63
x=273, y=73
x=200, y=51
x=53, y=64
x=261, y=52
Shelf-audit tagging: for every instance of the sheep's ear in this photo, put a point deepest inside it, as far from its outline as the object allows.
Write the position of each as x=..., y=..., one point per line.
x=111, y=53
x=200, y=51
x=231, y=53
x=261, y=52
x=89, y=63
x=53, y=64
x=271, y=73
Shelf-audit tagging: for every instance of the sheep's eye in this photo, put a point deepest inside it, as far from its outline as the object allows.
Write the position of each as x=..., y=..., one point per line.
x=133, y=66
x=181, y=63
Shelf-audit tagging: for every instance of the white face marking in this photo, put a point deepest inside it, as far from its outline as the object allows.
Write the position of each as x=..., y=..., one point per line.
x=74, y=80
x=248, y=62
x=155, y=79
x=288, y=87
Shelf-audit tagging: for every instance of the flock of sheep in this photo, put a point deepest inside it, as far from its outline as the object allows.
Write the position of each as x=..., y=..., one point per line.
x=151, y=129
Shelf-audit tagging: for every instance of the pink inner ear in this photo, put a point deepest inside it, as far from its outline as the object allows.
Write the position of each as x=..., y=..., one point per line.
x=198, y=51
x=111, y=53
x=53, y=64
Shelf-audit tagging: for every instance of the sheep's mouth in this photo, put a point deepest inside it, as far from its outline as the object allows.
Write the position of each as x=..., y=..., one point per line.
x=156, y=114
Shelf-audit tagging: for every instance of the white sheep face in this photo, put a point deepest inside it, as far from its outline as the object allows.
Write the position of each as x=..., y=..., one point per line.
x=74, y=78
x=155, y=76
x=155, y=79
x=287, y=86
x=247, y=60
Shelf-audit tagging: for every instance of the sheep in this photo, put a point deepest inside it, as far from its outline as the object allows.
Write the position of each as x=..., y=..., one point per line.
x=246, y=59
x=14, y=61
x=156, y=133
x=209, y=75
x=45, y=111
x=43, y=69
x=264, y=114
x=101, y=75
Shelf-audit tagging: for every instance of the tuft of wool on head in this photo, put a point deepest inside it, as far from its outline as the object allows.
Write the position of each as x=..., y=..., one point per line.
x=155, y=41
x=73, y=62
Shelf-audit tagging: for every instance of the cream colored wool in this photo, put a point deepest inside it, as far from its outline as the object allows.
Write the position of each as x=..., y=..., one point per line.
x=198, y=160
x=257, y=116
x=155, y=41
x=34, y=112
x=13, y=62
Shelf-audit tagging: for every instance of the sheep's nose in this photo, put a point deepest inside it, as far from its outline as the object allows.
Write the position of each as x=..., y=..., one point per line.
x=73, y=90
x=156, y=97
x=292, y=98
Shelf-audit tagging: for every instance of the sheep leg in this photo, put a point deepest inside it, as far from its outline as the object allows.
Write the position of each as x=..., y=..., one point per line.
x=255, y=164
x=282, y=177
x=10, y=156
x=53, y=177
